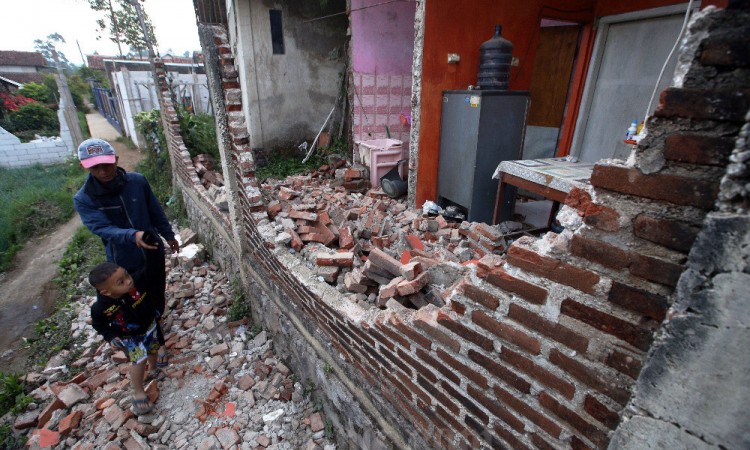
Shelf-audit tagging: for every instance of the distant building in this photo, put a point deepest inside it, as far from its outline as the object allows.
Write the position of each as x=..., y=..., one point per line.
x=18, y=68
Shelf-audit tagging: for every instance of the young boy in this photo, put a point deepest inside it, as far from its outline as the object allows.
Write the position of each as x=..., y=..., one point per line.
x=126, y=317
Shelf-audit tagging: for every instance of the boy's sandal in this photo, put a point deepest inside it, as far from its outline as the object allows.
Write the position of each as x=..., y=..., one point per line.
x=142, y=406
x=156, y=374
x=162, y=360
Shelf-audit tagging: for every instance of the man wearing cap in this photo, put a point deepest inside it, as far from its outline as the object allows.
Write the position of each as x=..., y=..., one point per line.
x=121, y=209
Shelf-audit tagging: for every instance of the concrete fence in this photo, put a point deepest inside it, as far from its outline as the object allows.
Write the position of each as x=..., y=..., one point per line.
x=15, y=154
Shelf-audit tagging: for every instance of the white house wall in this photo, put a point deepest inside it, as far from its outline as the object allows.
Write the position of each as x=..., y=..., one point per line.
x=287, y=97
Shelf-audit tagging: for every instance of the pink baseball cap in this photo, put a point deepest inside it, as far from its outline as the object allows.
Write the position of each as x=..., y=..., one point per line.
x=96, y=151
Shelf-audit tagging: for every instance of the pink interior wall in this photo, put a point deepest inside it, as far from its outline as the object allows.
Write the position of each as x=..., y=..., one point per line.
x=382, y=50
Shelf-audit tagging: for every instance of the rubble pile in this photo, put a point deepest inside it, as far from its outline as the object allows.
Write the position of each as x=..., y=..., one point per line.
x=212, y=180
x=225, y=386
x=370, y=246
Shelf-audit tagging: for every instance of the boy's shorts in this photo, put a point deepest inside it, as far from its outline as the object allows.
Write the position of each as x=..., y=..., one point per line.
x=138, y=347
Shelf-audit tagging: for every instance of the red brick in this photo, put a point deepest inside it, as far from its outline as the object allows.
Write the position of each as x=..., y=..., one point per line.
x=308, y=216
x=405, y=287
x=598, y=216
x=495, y=408
x=656, y=269
x=500, y=371
x=416, y=365
x=410, y=332
x=412, y=388
x=719, y=104
x=602, y=217
x=672, y=234
x=385, y=261
x=675, y=189
x=414, y=242
x=484, y=433
x=478, y=295
x=600, y=412
x=633, y=334
x=602, y=382
x=431, y=387
x=530, y=412
x=69, y=423
x=345, y=238
x=589, y=430
x=469, y=373
x=464, y=332
x=447, y=373
x=438, y=336
x=541, y=443
x=457, y=306
x=725, y=50
x=528, y=291
x=623, y=363
x=468, y=404
x=698, y=149
x=46, y=413
x=507, y=333
x=638, y=300
x=599, y=252
x=508, y=437
x=393, y=335
x=552, y=269
x=489, y=232
x=552, y=330
x=542, y=375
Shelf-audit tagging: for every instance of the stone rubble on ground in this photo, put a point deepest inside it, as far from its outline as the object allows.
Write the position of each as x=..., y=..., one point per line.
x=225, y=389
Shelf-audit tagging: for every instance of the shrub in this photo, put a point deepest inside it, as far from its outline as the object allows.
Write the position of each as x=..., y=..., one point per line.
x=199, y=133
x=38, y=92
x=34, y=116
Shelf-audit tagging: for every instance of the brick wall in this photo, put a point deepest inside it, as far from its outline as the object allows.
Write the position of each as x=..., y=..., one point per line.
x=540, y=349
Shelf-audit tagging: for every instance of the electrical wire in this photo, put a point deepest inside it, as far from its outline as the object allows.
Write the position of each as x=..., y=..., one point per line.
x=666, y=62
x=353, y=10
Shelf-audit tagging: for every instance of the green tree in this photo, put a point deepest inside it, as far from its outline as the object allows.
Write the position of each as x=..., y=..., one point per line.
x=47, y=48
x=121, y=23
x=38, y=92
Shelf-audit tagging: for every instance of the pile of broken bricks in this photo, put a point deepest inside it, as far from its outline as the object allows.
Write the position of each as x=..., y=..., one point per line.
x=212, y=180
x=371, y=245
x=226, y=388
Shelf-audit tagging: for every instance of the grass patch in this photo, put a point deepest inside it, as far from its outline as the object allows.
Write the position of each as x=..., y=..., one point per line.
x=85, y=132
x=52, y=334
x=281, y=166
x=35, y=200
x=240, y=307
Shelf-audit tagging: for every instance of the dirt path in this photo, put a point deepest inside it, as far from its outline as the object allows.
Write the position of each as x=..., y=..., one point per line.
x=28, y=290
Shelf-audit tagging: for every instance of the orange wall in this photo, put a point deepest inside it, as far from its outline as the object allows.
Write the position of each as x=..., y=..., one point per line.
x=461, y=27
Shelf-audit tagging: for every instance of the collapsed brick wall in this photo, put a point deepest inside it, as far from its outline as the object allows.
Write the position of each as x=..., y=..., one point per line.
x=543, y=348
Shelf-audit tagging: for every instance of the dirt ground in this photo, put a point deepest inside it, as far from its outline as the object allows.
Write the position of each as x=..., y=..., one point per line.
x=28, y=289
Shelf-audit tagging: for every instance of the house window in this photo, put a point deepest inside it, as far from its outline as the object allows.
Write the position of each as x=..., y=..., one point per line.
x=277, y=33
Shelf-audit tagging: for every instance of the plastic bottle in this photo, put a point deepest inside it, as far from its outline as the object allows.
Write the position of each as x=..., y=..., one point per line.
x=632, y=130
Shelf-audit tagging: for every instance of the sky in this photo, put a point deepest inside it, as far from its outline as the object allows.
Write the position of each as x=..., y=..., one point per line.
x=27, y=20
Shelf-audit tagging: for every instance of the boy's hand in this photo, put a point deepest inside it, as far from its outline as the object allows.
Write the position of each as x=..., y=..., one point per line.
x=117, y=343
x=174, y=245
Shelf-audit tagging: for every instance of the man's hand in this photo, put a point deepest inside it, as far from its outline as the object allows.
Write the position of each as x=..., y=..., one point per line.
x=174, y=245
x=139, y=242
